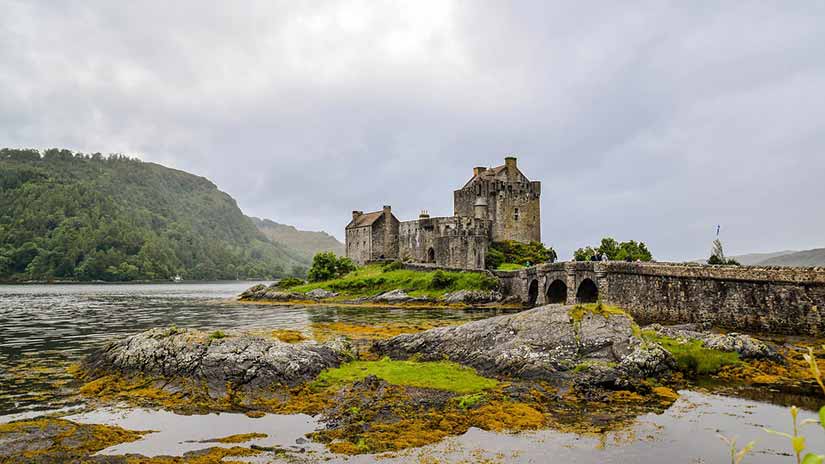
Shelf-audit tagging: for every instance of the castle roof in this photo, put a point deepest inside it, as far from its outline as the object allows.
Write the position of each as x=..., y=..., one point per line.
x=498, y=172
x=366, y=219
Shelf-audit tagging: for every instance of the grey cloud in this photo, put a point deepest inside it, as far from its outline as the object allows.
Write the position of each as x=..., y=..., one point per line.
x=654, y=122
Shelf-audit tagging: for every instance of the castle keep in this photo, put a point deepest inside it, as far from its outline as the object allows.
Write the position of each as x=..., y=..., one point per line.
x=496, y=204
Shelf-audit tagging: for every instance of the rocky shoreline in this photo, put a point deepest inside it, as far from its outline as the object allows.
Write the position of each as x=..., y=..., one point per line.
x=538, y=368
x=393, y=298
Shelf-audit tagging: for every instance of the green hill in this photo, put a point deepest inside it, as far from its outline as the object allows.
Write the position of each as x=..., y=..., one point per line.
x=67, y=216
x=305, y=242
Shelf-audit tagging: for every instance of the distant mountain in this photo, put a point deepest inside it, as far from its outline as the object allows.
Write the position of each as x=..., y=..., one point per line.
x=305, y=242
x=70, y=216
x=806, y=258
x=753, y=259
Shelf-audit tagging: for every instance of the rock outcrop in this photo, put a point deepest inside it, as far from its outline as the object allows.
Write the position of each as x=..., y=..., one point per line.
x=549, y=342
x=473, y=297
x=747, y=346
x=245, y=361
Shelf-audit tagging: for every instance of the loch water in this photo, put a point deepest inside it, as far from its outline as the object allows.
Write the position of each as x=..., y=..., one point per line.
x=46, y=328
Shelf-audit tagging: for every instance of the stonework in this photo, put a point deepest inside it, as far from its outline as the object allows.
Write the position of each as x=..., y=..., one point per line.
x=753, y=299
x=496, y=204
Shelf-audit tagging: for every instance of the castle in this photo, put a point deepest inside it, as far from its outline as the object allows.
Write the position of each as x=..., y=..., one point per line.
x=496, y=204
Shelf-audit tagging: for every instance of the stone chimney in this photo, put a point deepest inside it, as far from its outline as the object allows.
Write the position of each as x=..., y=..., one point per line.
x=478, y=170
x=356, y=215
x=387, y=212
x=510, y=164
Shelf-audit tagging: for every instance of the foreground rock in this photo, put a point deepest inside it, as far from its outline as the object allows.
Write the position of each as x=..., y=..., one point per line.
x=549, y=343
x=747, y=346
x=242, y=360
x=473, y=297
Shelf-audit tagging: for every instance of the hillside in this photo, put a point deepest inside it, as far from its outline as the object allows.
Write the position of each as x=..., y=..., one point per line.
x=67, y=216
x=815, y=257
x=305, y=242
x=753, y=259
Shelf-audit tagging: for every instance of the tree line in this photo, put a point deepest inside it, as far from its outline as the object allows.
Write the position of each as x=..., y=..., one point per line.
x=74, y=216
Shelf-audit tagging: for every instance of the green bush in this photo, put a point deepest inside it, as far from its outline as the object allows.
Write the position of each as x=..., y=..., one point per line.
x=441, y=280
x=327, y=266
x=615, y=251
x=524, y=254
x=393, y=266
x=289, y=282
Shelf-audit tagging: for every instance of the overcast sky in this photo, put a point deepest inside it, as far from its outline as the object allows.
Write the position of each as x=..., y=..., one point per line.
x=652, y=123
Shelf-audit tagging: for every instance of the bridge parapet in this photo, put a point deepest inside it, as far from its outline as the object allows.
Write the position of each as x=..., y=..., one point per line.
x=758, y=299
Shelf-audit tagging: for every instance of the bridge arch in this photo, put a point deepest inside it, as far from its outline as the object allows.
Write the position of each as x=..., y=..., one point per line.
x=588, y=292
x=533, y=292
x=556, y=292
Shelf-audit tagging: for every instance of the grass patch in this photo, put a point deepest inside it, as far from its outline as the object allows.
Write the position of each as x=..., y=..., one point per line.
x=217, y=335
x=578, y=312
x=692, y=356
x=509, y=267
x=441, y=375
x=376, y=279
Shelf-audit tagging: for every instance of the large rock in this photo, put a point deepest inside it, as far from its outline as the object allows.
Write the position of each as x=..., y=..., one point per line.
x=747, y=346
x=543, y=343
x=320, y=294
x=242, y=359
x=473, y=297
x=396, y=296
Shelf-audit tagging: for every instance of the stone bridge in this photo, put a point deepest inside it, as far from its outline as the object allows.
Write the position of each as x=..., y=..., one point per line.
x=754, y=299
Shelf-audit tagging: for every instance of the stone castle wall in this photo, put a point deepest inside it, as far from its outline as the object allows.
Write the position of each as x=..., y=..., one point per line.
x=359, y=244
x=754, y=299
x=459, y=242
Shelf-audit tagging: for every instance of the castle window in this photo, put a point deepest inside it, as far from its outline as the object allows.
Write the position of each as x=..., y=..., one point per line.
x=515, y=215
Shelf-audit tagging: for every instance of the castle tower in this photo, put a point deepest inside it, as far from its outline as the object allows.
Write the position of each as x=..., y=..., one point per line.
x=512, y=201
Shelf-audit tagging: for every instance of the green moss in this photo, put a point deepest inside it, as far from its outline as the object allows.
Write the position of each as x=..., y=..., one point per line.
x=217, y=335
x=509, y=267
x=376, y=279
x=578, y=312
x=583, y=366
x=441, y=375
x=468, y=401
x=692, y=356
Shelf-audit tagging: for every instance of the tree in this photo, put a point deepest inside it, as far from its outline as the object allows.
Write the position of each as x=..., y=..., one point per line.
x=326, y=265
x=614, y=251
x=525, y=254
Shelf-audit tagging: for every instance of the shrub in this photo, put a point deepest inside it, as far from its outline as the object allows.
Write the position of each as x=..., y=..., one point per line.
x=441, y=280
x=217, y=335
x=524, y=254
x=289, y=282
x=327, y=265
x=615, y=251
x=393, y=266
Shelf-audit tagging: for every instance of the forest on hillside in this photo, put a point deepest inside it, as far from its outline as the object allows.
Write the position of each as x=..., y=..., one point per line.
x=74, y=216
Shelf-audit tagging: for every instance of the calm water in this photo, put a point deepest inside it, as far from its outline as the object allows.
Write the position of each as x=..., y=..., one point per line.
x=45, y=328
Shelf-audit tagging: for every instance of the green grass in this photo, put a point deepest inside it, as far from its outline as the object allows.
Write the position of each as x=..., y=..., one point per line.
x=441, y=375
x=692, y=356
x=373, y=280
x=578, y=312
x=509, y=267
x=217, y=335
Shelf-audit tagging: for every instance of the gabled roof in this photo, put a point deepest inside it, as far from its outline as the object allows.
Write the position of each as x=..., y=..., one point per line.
x=366, y=219
x=493, y=173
